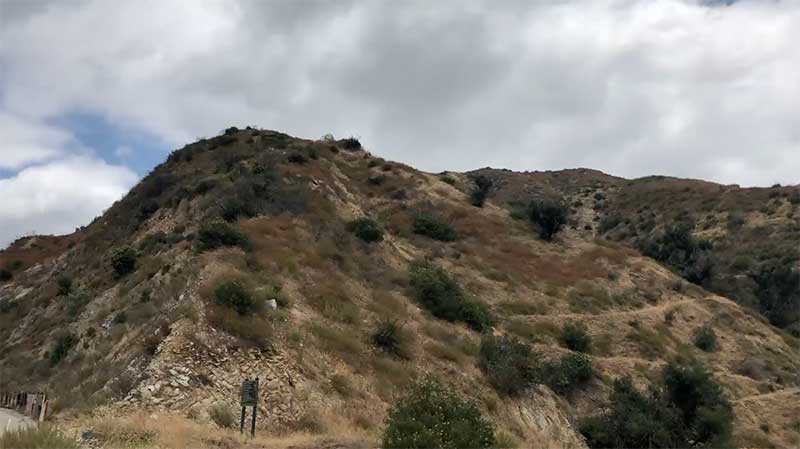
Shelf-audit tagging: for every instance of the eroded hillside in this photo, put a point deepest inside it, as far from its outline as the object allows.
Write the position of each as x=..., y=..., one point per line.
x=135, y=311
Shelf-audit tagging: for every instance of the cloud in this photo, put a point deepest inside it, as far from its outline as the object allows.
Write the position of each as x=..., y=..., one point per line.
x=691, y=88
x=54, y=198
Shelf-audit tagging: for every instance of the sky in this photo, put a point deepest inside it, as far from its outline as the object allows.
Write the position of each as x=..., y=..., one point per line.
x=94, y=93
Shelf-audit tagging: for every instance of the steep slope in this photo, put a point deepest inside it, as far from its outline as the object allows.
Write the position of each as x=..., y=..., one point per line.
x=257, y=211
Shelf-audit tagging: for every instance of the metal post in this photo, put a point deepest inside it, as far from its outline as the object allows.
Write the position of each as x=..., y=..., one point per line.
x=241, y=421
x=255, y=406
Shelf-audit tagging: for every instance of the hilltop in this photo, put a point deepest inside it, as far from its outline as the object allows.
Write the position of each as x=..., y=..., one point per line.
x=257, y=254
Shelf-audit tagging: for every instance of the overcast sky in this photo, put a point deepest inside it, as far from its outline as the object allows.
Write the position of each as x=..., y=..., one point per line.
x=93, y=94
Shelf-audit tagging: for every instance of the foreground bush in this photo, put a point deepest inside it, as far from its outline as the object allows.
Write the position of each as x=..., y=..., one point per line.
x=218, y=234
x=42, y=437
x=431, y=226
x=570, y=372
x=366, y=229
x=438, y=292
x=549, y=216
x=686, y=410
x=123, y=260
x=234, y=295
x=433, y=416
x=507, y=363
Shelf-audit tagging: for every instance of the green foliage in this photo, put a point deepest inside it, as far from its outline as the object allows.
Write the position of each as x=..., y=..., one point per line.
x=61, y=347
x=688, y=410
x=431, y=415
x=217, y=234
x=481, y=191
x=389, y=337
x=222, y=416
x=366, y=229
x=350, y=143
x=508, y=364
x=779, y=293
x=75, y=301
x=64, y=286
x=705, y=339
x=6, y=275
x=549, y=216
x=575, y=337
x=448, y=179
x=437, y=291
x=570, y=372
x=431, y=226
x=41, y=437
x=234, y=295
x=677, y=248
x=123, y=260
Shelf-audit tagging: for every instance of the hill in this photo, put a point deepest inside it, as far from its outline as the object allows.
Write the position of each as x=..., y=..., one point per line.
x=338, y=278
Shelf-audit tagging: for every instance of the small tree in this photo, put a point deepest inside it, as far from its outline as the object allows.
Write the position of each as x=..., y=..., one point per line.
x=366, y=229
x=432, y=415
x=571, y=371
x=431, y=226
x=123, y=260
x=217, y=234
x=575, y=337
x=233, y=294
x=550, y=216
x=507, y=363
x=437, y=291
x=706, y=339
x=482, y=186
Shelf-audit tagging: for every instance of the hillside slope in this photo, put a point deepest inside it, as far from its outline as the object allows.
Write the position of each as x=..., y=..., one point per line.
x=126, y=316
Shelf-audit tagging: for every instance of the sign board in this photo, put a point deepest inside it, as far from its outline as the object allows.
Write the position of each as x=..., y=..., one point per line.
x=249, y=392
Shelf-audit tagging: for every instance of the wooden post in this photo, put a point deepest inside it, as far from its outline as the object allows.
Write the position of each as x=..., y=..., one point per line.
x=255, y=407
x=241, y=421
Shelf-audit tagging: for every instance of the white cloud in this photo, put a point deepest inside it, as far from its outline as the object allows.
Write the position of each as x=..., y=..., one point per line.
x=26, y=142
x=56, y=197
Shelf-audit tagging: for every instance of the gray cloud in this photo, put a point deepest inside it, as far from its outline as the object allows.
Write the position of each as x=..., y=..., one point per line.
x=631, y=87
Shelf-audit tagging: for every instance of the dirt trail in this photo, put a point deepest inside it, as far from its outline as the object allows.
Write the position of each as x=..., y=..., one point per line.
x=11, y=420
x=756, y=397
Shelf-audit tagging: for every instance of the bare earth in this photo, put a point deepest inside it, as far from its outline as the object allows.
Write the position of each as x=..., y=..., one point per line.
x=11, y=420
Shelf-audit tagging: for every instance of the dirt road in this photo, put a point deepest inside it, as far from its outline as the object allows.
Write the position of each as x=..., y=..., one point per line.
x=11, y=420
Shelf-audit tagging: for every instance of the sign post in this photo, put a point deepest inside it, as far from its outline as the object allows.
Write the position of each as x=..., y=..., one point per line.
x=249, y=397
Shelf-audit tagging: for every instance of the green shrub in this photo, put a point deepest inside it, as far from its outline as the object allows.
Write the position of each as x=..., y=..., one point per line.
x=366, y=229
x=481, y=190
x=41, y=437
x=571, y=371
x=75, y=301
x=389, y=337
x=507, y=363
x=234, y=295
x=61, y=347
x=222, y=416
x=217, y=234
x=677, y=248
x=778, y=292
x=431, y=415
x=447, y=179
x=549, y=216
x=575, y=337
x=686, y=410
x=297, y=158
x=438, y=292
x=5, y=275
x=350, y=143
x=123, y=260
x=431, y=226
x=706, y=339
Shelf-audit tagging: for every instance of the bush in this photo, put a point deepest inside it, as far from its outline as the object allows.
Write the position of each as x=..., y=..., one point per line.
x=507, y=363
x=677, y=248
x=217, y=234
x=64, y=286
x=430, y=226
x=350, y=143
x=221, y=415
x=61, y=347
x=390, y=338
x=778, y=293
x=432, y=415
x=687, y=410
x=575, y=337
x=297, y=158
x=41, y=437
x=123, y=260
x=438, y=292
x=549, y=216
x=706, y=339
x=5, y=275
x=447, y=179
x=232, y=294
x=481, y=190
x=366, y=229
x=571, y=371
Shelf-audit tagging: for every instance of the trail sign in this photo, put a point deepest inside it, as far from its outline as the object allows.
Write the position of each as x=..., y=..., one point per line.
x=249, y=392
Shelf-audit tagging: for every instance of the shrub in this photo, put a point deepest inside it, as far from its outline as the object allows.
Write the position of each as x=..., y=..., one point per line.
x=778, y=293
x=297, y=158
x=507, y=363
x=389, y=337
x=221, y=415
x=481, y=190
x=550, y=216
x=366, y=229
x=123, y=260
x=575, y=337
x=350, y=143
x=706, y=339
x=687, y=410
x=438, y=292
x=430, y=226
x=217, y=234
x=448, y=179
x=432, y=415
x=232, y=294
x=571, y=371
x=677, y=248
x=61, y=347
x=42, y=437
x=64, y=286
x=5, y=275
